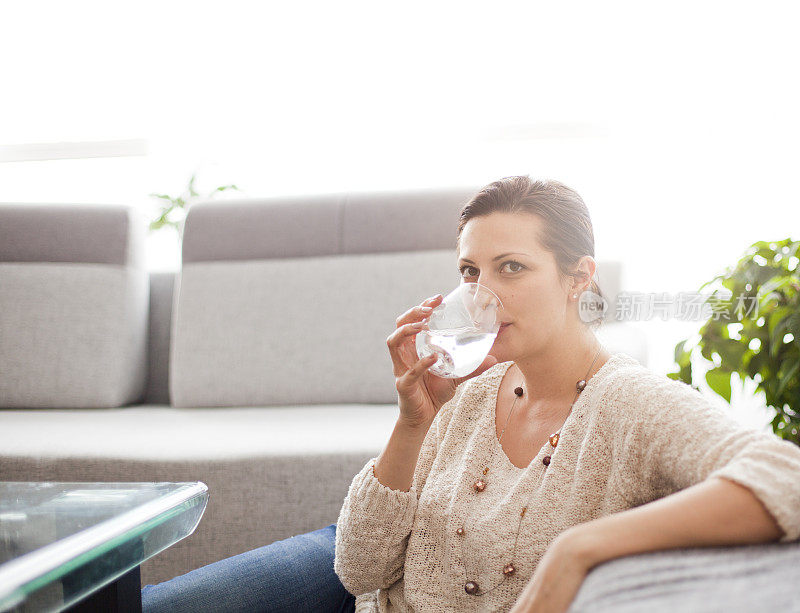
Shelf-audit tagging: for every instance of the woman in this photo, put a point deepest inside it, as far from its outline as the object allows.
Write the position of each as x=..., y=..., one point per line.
x=500, y=491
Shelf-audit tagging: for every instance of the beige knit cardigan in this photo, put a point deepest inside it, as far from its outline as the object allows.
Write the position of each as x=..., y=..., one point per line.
x=633, y=436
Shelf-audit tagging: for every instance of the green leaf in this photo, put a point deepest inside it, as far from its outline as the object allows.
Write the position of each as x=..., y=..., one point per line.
x=774, y=284
x=682, y=356
x=793, y=325
x=731, y=351
x=720, y=381
x=161, y=196
x=777, y=322
x=787, y=377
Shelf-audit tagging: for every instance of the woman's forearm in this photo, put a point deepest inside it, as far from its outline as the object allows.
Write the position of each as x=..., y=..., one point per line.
x=715, y=512
x=395, y=466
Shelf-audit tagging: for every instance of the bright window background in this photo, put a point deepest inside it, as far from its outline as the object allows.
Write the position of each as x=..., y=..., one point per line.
x=677, y=123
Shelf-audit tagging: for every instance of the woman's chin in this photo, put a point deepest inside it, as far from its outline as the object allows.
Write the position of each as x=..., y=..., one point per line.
x=499, y=353
x=500, y=345
x=504, y=351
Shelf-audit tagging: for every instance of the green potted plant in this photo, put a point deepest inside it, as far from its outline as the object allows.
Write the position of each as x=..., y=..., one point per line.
x=754, y=332
x=173, y=209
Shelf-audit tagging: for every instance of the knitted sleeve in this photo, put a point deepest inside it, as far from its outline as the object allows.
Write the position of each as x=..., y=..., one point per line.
x=375, y=521
x=671, y=437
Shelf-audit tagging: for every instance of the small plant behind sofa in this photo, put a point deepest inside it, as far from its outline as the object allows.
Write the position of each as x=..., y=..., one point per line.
x=173, y=209
x=754, y=331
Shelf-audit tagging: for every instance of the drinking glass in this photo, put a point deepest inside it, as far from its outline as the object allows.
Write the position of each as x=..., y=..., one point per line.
x=461, y=330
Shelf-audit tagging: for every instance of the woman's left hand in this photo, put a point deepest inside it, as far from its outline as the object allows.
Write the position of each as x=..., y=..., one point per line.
x=557, y=578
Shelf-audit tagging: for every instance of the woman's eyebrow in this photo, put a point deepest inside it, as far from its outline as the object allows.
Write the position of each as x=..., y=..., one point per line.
x=494, y=259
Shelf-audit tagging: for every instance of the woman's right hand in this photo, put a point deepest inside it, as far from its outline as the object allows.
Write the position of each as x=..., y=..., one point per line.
x=420, y=393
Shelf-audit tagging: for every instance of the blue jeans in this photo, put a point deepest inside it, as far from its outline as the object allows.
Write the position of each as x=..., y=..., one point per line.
x=295, y=574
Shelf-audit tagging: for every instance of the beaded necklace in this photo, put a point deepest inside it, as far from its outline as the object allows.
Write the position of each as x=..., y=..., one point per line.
x=471, y=587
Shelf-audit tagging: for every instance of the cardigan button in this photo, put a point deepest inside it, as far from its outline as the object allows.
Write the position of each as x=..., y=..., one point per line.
x=471, y=587
x=460, y=531
x=518, y=391
x=479, y=485
x=546, y=460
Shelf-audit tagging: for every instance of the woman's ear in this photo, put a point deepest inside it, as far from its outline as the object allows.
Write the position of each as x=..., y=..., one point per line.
x=584, y=272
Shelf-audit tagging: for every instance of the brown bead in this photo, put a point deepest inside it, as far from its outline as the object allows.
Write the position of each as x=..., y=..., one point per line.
x=554, y=439
x=509, y=570
x=518, y=391
x=471, y=587
x=546, y=460
x=580, y=385
x=479, y=485
x=460, y=532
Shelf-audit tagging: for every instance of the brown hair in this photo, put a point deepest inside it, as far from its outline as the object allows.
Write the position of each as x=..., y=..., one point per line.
x=568, y=236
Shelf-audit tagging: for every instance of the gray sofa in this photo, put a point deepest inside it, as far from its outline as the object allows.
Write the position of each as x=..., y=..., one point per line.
x=260, y=368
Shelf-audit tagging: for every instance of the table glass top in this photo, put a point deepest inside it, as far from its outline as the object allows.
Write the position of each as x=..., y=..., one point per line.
x=61, y=541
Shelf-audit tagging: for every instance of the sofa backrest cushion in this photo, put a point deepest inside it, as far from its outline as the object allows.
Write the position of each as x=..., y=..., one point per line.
x=298, y=330
x=73, y=306
x=290, y=301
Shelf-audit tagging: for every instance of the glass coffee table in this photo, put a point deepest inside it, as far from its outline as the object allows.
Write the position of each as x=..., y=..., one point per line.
x=78, y=546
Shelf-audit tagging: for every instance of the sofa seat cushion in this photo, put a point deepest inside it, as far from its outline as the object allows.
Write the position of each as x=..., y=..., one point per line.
x=159, y=432
x=272, y=472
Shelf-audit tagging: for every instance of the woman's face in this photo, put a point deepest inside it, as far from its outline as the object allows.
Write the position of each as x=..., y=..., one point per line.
x=502, y=251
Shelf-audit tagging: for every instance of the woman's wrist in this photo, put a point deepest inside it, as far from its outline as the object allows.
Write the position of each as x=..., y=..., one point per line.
x=399, y=459
x=413, y=428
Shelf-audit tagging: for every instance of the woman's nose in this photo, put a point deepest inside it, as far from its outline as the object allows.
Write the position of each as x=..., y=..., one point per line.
x=485, y=299
x=485, y=310
x=487, y=306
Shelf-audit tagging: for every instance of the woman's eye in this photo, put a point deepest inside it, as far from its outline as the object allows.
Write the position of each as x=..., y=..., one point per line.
x=517, y=264
x=514, y=267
